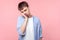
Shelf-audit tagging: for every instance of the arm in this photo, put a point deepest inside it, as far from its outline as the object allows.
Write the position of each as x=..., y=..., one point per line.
x=23, y=27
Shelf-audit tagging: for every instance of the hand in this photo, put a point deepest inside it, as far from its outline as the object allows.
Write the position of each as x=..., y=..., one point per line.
x=25, y=16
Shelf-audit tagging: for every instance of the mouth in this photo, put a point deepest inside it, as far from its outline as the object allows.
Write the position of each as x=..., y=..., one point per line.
x=27, y=15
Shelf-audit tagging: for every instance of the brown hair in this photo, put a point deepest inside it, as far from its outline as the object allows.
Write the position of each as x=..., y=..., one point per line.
x=22, y=4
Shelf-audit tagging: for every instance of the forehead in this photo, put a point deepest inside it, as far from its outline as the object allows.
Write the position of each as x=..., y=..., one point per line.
x=24, y=8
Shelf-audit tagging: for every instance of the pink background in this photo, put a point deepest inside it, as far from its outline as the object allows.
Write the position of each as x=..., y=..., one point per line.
x=47, y=10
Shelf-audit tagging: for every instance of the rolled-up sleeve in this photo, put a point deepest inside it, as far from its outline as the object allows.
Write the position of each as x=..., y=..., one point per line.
x=19, y=23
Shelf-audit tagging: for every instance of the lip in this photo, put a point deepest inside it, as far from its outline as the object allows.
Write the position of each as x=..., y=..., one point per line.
x=26, y=15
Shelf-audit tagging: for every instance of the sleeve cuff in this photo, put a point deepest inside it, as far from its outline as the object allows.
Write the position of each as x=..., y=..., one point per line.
x=20, y=33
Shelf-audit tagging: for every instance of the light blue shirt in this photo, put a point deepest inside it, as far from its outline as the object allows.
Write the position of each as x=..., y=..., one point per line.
x=36, y=25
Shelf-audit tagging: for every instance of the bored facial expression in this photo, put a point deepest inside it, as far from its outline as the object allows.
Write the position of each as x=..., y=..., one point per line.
x=25, y=11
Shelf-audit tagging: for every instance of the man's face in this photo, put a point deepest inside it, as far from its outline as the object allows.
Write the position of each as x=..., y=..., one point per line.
x=25, y=11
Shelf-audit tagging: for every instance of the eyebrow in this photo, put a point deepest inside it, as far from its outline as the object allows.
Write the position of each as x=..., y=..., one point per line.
x=24, y=10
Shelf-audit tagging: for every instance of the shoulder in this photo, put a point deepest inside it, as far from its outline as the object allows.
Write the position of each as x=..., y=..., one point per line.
x=20, y=17
x=36, y=18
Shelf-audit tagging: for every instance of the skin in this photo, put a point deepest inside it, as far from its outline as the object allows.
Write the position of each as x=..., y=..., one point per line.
x=26, y=14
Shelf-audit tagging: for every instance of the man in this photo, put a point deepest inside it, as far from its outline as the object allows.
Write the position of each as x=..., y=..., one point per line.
x=28, y=26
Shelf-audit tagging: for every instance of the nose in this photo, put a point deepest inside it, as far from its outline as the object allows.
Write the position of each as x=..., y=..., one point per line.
x=24, y=12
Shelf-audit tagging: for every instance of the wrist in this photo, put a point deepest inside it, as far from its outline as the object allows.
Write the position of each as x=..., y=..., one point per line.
x=26, y=19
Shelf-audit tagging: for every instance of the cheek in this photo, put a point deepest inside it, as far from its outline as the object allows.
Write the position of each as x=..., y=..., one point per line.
x=27, y=12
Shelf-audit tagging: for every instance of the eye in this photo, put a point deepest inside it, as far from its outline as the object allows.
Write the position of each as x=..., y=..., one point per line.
x=22, y=12
x=25, y=10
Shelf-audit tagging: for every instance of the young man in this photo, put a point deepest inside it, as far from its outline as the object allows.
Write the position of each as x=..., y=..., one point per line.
x=28, y=26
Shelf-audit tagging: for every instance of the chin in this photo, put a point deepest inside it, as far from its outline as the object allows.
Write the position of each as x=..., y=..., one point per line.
x=27, y=15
